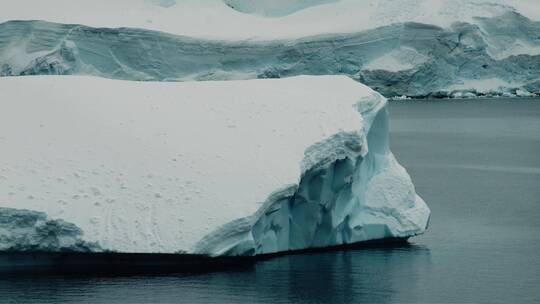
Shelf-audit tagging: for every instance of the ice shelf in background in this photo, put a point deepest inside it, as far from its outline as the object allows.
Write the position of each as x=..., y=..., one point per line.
x=217, y=167
x=231, y=20
x=422, y=48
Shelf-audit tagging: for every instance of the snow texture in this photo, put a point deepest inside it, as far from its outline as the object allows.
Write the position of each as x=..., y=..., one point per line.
x=415, y=48
x=215, y=168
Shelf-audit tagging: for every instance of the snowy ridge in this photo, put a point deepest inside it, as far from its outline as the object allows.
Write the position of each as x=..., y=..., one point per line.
x=203, y=167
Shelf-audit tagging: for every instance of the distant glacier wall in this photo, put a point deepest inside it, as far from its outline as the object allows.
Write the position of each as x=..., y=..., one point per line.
x=493, y=56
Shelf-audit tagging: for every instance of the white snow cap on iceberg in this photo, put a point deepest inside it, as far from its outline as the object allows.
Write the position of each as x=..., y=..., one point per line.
x=202, y=167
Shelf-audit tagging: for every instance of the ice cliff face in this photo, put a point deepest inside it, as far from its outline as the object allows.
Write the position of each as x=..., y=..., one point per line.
x=215, y=168
x=346, y=194
x=25, y=230
x=479, y=49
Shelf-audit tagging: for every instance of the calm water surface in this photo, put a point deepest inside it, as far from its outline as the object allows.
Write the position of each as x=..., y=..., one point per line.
x=477, y=165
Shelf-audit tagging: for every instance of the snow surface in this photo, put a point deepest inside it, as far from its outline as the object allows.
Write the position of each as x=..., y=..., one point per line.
x=217, y=20
x=201, y=167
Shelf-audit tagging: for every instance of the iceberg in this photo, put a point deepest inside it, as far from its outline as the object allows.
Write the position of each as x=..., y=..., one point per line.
x=424, y=48
x=218, y=168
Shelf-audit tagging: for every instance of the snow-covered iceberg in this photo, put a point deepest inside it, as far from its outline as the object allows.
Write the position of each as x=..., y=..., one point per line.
x=214, y=168
x=417, y=48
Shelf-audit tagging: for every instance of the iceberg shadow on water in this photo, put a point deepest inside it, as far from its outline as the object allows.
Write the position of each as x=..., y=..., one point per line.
x=120, y=264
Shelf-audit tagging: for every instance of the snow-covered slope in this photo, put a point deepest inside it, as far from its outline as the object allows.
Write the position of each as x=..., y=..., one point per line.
x=218, y=168
x=401, y=47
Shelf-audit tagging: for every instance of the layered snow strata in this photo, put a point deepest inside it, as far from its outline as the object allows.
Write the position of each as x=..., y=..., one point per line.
x=217, y=168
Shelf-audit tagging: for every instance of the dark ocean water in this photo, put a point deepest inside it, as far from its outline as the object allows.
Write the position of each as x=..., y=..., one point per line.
x=477, y=165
